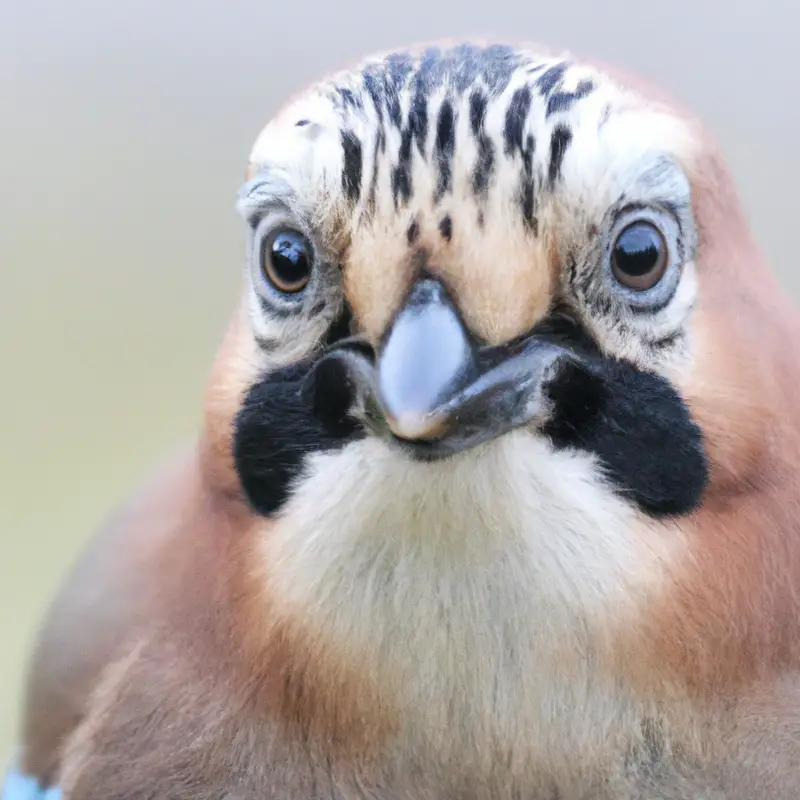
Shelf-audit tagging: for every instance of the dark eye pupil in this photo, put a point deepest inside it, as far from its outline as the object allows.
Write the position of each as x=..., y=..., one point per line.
x=638, y=250
x=289, y=258
x=290, y=262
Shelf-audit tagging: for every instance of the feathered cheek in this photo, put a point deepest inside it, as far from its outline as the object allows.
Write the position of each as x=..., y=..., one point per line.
x=639, y=428
x=288, y=415
x=431, y=393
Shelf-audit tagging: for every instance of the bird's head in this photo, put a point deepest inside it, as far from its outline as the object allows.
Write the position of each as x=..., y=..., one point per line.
x=489, y=290
x=452, y=244
x=508, y=382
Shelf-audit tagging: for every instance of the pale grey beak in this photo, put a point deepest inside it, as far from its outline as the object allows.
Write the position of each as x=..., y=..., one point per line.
x=425, y=358
x=434, y=389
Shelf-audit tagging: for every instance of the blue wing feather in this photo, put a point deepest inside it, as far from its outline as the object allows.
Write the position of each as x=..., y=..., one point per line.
x=22, y=787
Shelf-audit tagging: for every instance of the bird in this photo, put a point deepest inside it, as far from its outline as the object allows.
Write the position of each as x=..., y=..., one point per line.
x=495, y=493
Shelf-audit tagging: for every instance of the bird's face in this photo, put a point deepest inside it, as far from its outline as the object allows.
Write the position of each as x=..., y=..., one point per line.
x=493, y=396
x=487, y=383
x=453, y=246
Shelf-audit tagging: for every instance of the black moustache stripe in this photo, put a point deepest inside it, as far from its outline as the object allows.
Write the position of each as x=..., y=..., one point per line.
x=284, y=418
x=638, y=427
x=634, y=422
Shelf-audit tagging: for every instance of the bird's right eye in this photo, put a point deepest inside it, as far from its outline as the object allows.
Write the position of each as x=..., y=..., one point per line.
x=287, y=258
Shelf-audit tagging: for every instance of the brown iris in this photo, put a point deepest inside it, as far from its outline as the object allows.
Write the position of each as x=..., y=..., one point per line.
x=639, y=258
x=286, y=260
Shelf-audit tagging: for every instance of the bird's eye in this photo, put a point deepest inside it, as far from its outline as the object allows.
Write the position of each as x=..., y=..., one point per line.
x=639, y=257
x=286, y=260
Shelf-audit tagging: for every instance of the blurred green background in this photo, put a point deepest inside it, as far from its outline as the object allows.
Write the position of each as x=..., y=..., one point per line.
x=124, y=129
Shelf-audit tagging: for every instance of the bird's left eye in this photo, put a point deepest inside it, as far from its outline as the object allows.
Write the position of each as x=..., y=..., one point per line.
x=639, y=257
x=286, y=260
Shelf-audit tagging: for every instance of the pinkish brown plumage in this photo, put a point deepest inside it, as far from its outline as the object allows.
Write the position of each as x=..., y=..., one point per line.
x=495, y=494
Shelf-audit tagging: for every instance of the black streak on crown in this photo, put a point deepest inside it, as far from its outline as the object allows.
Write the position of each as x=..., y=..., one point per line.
x=550, y=78
x=482, y=72
x=350, y=99
x=353, y=166
x=549, y=84
x=516, y=117
x=380, y=145
x=444, y=149
x=485, y=162
x=416, y=130
x=560, y=141
x=563, y=101
x=459, y=69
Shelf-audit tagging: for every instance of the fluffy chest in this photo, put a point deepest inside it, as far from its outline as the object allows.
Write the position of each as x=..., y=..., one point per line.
x=483, y=595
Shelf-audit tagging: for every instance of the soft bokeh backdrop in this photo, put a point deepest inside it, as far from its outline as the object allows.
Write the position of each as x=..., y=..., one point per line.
x=124, y=129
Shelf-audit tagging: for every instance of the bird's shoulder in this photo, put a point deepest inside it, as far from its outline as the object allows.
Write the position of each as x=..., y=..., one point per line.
x=107, y=595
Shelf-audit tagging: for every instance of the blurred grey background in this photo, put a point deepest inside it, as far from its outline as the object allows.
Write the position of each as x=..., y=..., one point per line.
x=124, y=130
